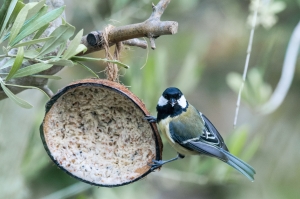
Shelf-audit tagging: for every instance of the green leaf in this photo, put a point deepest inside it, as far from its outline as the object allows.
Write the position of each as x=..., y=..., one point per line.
x=234, y=81
x=40, y=31
x=60, y=35
x=117, y=62
x=15, y=98
x=61, y=62
x=35, y=9
x=62, y=48
x=17, y=25
x=81, y=48
x=71, y=50
x=9, y=63
x=5, y=50
x=3, y=11
x=16, y=11
x=38, y=23
x=88, y=69
x=9, y=11
x=30, y=54
x=33, y=69
x=276, y=7
x=27, y=43
x=63, y=21
x=29, y=21
x=47, y=76
x=80, y=58
x=35, y=17
x=17, y=64
x=28, y=11
x=29, y=87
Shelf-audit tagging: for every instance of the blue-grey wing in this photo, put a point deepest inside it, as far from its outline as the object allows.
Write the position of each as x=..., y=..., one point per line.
x=191, y=138
x=212, y=133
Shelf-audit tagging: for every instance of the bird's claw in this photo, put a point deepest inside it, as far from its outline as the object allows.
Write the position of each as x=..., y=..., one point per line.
x=156, y=164
x=150, y=119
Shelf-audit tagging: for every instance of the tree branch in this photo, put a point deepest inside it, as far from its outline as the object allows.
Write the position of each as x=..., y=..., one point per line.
x=136, y=42
x=151, y=28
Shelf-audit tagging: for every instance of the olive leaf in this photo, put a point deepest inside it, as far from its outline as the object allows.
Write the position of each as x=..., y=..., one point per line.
x=16, y=11
x=9, y=63
x=61, y=62
x=15, y=98
x=73, y=45
x=81, y=58
x=29, y=87
x=88, y=69
x=17, y=64
x=19, y=22
x=32, y=69
x=41, y=31
x=59, y=35
x=47, y=76
x=30, y=54
x=36, y=8
x=34, y=41
x=8, y=10
x=38, y=23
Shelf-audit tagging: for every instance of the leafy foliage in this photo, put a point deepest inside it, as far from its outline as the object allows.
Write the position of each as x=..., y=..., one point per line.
x=256, y=91
x=23, y=27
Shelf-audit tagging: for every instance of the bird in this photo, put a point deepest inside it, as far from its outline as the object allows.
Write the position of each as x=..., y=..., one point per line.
x=190, y=132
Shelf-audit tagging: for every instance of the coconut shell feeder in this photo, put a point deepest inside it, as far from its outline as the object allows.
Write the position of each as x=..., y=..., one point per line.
x=95, y=131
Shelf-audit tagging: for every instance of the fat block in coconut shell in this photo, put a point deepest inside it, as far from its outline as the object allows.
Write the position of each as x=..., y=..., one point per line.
x=95, y=131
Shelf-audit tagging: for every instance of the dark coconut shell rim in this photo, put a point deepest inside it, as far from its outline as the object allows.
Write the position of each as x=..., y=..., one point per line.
x=119, y=89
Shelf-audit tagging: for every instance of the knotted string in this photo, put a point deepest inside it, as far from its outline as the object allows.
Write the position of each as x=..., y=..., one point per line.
x=111, y=70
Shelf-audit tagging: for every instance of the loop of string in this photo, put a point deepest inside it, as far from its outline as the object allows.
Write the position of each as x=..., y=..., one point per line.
x=111, y=70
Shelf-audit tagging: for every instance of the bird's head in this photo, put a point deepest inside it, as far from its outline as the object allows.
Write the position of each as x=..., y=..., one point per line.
x=173, y=98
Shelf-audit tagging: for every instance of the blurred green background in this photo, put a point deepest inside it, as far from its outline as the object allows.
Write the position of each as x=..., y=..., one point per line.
x=205, y=59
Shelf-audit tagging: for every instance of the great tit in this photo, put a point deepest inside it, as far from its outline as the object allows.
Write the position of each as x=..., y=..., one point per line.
x=191, y=133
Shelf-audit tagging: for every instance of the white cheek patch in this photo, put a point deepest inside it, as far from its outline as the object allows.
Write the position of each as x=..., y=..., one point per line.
x=182, y=101
x=162, y=101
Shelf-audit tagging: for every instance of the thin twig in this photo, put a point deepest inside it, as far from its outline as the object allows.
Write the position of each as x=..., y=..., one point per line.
x=159, y=9
x=246, y=66
x=136, y=42
x=152, y=43
x=47, y=90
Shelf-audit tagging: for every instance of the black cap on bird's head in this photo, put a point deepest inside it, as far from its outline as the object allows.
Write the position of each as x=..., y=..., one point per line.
x=171, y=103
x=172, y=97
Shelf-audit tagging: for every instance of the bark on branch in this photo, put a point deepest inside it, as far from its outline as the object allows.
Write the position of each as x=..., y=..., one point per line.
x=151, y=28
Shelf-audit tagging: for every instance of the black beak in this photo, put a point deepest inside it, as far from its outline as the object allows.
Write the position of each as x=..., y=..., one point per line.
x=172, y=102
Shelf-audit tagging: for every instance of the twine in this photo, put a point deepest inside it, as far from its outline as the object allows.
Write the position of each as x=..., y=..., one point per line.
x=111, y=70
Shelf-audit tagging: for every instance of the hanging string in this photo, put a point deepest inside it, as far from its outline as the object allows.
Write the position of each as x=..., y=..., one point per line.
x=111, y=71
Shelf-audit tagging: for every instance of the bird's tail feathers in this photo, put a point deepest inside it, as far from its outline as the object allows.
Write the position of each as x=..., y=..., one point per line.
x=240, y=165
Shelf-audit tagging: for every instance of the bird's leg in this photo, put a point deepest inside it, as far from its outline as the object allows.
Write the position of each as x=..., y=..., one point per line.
x=150, y=119
x=158, y=163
